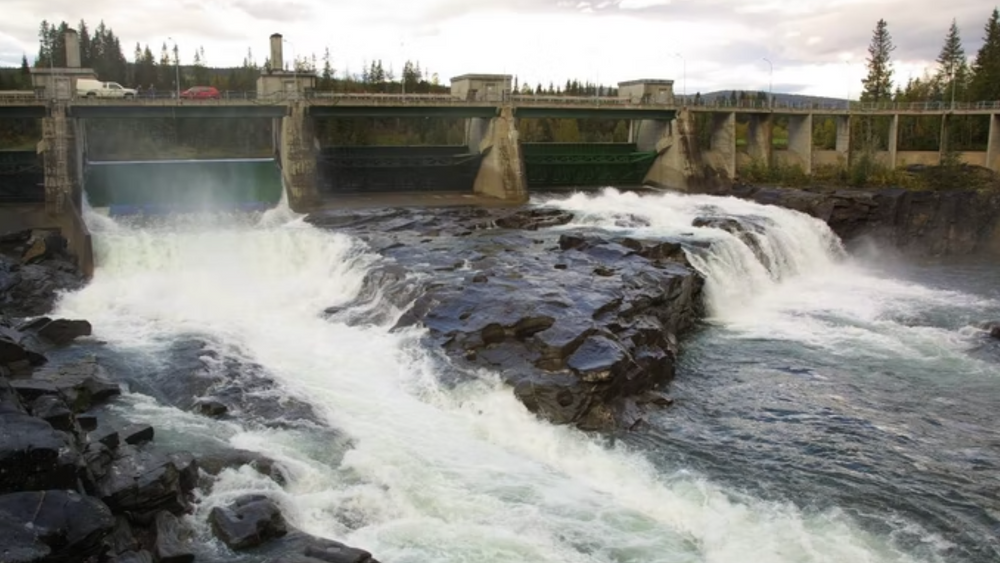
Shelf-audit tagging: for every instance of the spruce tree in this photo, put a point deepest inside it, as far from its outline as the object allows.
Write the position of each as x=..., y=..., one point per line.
x=878, y=83
x=985, y=84
x=952, y=66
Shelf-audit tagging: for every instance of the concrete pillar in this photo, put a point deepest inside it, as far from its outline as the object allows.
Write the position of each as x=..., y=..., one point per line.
x=759, y=145
x=893, y=140
x=722, y=146
x=843, y=146
x=993, y=145
x=298, y=158
x=800, y=140
x=631, y=131
x=677, y=154
x=501, y=173
x=80, y=161
x=277, y=59
x=72, y=41
x=59, y=159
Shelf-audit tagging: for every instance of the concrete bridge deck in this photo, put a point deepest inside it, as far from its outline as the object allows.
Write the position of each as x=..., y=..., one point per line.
x=323, y=104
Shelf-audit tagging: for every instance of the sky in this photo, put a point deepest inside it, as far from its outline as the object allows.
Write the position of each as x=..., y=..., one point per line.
x=814, y=47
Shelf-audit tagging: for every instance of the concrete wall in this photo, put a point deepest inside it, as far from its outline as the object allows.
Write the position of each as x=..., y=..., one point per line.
x=647, y=91
x=298, y=151
x=721, y=154
x=501, y=173
x=481, y=87
x=760, y=133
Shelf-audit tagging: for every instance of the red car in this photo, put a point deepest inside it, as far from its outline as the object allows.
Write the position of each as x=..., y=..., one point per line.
x=201, y=93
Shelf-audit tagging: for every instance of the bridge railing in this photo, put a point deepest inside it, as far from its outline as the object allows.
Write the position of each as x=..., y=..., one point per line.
x=934, y=106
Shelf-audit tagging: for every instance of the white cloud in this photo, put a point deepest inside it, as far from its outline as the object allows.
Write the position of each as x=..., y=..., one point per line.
x=722, y=41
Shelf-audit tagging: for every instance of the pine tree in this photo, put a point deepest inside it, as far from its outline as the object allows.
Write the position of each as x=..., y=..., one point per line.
x=985, y=83
x=878, y=83
x=952, y=66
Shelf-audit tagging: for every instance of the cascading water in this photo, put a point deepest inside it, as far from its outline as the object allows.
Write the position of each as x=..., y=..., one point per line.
x=435, y=473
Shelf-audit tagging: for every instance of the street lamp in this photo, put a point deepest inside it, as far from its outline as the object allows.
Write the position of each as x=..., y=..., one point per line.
x=770, y=84
x=684, y=82
x=295, y=66
x=177, y=69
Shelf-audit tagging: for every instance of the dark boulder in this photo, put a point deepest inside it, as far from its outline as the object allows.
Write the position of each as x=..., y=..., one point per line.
x=298, y=547
x=53, y=409
x=213, y=464
x=56, y=332
x=136, y=434
x=173, y=543
x=211, y=407
x=82, y=384
x=534, y=219
x=248, y=522
x=29, y=290
x=34, y=455
x=143, y=482
x=52, y=527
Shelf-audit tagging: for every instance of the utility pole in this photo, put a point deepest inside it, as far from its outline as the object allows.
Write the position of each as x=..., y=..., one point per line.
x=770, y=84
x=177, y=69
x=684, y=76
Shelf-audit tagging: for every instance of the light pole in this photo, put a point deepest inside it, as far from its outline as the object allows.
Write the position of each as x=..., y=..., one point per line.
x=770, y=84
x=684, y=75
x=177, y=69
x=295, y=66
x=847, y=102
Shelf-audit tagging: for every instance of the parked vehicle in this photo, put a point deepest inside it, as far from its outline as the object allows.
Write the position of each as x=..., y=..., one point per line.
x=201, y=93
x=88, y=88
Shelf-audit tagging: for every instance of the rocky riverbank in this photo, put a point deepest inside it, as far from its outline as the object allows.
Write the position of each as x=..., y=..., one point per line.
x=917, y=223
x=584, y=328
x=77, y=485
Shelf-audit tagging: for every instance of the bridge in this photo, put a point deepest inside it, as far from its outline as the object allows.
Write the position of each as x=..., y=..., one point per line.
x=664, y=144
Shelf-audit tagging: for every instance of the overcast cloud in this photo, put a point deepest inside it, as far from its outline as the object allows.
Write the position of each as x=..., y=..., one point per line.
x=815, y=46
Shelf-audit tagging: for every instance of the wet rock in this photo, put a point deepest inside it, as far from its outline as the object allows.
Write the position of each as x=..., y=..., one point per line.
x=213, y=464
x=105, y=435
x=143, y=483
x=136, y=434
x=82, y=384
x=43, y=245
x=57, y=332
x=141, y=556
x=31, y=289
x=248, y=522
x=53, y=409
x=122, y=540
x=10, y=401
x=303, y=548
x=995, y=331
x=173, y=543
x=916, y=222
x=87, y=421
x=534, y=219
x=34, y=455
x=565, y=317
x=211, y=407
x=52, y=526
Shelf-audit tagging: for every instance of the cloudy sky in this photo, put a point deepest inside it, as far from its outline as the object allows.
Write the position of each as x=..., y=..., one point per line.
x=815, y=46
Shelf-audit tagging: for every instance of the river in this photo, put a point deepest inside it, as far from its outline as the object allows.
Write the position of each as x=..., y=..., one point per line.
x=832, y=410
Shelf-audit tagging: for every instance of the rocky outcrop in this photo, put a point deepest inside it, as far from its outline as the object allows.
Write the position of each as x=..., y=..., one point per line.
x=583, y=328
x=34, y=268
x=73, y=488
x=921, y=223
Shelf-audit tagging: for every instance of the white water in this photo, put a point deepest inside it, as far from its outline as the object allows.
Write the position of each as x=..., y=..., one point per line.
x=803, y=289
x=435, y=474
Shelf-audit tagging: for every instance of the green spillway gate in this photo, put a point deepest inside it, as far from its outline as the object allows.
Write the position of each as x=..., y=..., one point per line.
x=550, y=165
x=183, y=185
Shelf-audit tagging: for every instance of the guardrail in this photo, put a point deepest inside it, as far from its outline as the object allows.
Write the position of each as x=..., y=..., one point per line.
x=236, y=97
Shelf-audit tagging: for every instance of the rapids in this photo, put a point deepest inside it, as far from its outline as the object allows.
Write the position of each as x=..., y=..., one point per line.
x=436, y=473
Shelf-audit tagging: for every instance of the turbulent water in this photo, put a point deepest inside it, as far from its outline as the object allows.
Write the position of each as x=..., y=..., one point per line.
x=830, y=413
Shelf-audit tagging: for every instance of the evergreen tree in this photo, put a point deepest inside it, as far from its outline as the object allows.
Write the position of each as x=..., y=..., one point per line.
x=985, y=83
x=952, y=66
x=326, y=79
x=878, y=83
x=25, y=81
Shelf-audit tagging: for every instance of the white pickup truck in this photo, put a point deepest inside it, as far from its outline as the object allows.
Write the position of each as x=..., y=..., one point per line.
x=88, y=88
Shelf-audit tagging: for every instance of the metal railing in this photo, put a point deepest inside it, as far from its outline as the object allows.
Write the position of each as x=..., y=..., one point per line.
x=238, y=97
